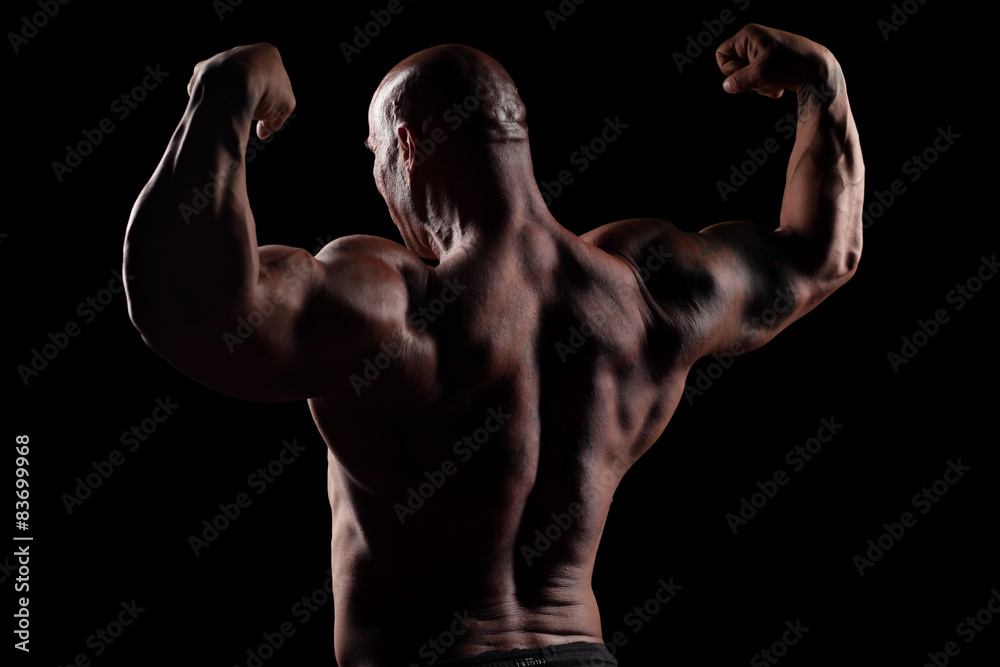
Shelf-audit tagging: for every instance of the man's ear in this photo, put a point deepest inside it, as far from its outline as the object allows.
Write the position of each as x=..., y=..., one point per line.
x=409, y=150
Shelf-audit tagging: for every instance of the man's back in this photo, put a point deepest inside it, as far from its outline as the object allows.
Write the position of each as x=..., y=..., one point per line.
x=538, y=389
x=479, y=414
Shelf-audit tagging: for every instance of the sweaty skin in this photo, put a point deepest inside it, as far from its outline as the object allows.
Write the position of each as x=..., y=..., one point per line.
x=472, y=406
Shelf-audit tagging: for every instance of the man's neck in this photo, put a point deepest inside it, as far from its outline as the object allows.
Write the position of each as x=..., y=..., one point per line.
x=484, y=230
x=478, y=202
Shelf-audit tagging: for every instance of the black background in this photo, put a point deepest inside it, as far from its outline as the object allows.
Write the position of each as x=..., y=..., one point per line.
x=792, y=561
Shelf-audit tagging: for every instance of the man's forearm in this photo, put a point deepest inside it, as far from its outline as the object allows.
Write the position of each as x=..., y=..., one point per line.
x=190, y=247
x=824, y=187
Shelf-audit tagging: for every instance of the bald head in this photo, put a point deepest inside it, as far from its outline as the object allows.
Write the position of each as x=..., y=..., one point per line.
x=454, y=92
x=452, y=160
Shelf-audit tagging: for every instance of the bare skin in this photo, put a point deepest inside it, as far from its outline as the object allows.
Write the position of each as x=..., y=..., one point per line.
x=506, y=390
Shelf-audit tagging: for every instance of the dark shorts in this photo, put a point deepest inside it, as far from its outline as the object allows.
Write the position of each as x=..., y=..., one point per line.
x=578, y=654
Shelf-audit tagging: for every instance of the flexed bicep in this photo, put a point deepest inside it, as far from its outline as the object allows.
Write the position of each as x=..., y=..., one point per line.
x=728, y=289
x=757, y=290
x=306, y=326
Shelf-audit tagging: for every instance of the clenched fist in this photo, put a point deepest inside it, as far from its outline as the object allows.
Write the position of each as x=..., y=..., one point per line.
x=770, y=61
x=256, y=69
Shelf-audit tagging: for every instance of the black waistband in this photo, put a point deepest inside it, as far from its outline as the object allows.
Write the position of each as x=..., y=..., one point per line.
x=577, y=654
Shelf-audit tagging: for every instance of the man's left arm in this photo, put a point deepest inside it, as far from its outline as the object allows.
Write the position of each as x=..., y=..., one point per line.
x=269, y=323
x=191, y=239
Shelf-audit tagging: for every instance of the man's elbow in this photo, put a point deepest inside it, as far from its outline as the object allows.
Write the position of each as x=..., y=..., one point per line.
x=841, y=267
x=843, y=253
x=850, y=264
x=155, y=317
x=832, y=268
x=854, y=234
x=853, y=238
x=145, y=306
x=162, y=312
x=149, y=326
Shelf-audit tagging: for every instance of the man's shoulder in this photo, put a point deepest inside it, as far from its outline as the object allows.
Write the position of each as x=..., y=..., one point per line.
x=675, y=272
x=377, y=253
x=364, y=245
x=644, y=244
x=632, y=237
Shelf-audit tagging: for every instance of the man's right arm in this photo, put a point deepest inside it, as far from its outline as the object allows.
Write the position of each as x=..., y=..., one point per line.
x=734, y=286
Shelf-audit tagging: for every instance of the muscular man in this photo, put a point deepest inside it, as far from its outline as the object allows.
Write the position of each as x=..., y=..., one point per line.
x=505, y=390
